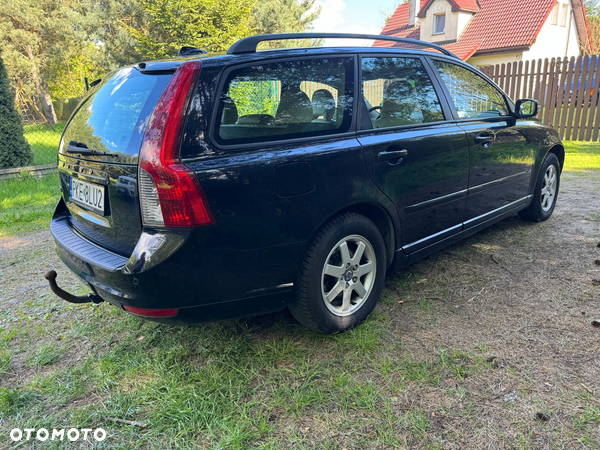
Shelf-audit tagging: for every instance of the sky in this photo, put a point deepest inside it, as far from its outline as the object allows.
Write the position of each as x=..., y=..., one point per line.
x=353, y=16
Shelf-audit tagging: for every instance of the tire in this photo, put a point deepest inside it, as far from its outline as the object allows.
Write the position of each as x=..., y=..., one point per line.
x=338, y=285
x=545, y=192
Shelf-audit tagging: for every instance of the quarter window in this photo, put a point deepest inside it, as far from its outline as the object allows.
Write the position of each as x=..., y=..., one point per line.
x=473, y=96
x=398, y=92
x=286, y=100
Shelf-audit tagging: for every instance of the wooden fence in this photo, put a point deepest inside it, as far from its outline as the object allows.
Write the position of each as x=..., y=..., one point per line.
x=567, y=89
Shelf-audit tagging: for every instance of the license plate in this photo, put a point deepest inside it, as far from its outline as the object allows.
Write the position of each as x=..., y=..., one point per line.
x=88, y=195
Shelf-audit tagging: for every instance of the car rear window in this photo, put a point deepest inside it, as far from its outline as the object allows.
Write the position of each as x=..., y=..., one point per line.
x=113, y=117
x=285, y=100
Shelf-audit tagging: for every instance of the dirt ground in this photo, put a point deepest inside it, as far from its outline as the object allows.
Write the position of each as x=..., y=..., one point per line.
x=519, y=298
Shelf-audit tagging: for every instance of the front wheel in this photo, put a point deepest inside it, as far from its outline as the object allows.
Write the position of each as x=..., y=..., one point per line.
x=341, y=275
x=545, y=192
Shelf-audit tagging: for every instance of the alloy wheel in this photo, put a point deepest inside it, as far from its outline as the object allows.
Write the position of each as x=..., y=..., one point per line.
x=348, y=275
x=549, y=188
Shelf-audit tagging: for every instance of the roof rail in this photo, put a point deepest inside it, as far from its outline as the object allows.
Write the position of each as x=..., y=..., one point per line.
x=249, y=44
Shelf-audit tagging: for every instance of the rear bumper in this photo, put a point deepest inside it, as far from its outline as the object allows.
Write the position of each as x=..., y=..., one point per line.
x=66, y=237
x=191, y=270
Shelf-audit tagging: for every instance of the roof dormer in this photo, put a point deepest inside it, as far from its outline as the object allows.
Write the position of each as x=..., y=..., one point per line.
x=443, y=21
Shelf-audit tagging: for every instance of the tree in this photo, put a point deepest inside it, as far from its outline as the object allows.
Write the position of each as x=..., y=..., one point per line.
x=212, y=25
x=285, y=16
x=104, y=23
x=592, y=10
x=32, y=34
x=101, y=43
x=14, y=149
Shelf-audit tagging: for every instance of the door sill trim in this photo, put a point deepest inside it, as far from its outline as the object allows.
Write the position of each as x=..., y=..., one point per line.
x=468, y=227
x=490, y=215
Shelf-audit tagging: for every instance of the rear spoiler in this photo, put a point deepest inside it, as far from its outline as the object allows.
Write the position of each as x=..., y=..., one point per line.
x=158, y=67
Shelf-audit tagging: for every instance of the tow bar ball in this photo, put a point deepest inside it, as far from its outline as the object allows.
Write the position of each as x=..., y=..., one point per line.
x=50, y=275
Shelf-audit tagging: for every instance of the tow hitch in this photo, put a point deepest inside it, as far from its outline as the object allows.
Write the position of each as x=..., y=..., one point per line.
x=50, y=275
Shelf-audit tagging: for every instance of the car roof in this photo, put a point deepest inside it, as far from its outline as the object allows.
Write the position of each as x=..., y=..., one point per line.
x=225, y=58
x=246, y=49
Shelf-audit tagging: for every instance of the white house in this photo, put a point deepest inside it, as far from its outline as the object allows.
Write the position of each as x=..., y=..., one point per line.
x=485, y=32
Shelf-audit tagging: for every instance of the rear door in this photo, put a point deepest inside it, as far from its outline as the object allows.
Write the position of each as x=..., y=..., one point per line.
x=98, y=157
x=501, y=155
x=414, y=155
x=283, y=153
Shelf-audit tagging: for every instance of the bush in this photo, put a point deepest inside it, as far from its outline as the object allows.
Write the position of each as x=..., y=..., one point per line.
x=14, y=149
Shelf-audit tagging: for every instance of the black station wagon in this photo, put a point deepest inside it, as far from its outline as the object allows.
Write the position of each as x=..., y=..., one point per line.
x=212, y=186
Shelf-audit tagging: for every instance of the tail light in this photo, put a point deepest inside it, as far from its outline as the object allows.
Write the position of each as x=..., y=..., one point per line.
x=170, y=194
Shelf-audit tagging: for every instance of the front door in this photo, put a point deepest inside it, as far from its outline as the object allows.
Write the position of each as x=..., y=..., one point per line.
x=417, y=158
x=501, y=156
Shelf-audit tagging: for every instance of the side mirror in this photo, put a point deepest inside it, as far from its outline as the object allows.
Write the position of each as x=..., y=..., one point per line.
x=526, y=108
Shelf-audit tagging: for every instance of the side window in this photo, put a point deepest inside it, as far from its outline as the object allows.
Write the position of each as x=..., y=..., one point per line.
x=398, y=91
x=473, y=96
x=286, y=100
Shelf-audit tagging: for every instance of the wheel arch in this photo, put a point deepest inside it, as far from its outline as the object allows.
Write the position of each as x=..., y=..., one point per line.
x=382, y=220
x=559, y=151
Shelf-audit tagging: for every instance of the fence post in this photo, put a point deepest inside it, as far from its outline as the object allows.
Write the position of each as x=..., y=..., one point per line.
x=507, y=79
x=551, y=92
x=526, y=76
x=587, y=86
x=519, y=76
x=572, y=99
x=565, y=97
x=513, y=80
x=502, y=76
x=595, y=110
x=579, y=102
x=591, y=119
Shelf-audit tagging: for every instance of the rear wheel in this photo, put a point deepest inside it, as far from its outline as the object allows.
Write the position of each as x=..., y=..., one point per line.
x=545, y=192
x=341, y=275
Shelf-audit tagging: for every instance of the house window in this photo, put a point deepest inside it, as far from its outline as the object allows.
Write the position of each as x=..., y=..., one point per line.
x=439, y=24
x=565, y=15
x=555, y=14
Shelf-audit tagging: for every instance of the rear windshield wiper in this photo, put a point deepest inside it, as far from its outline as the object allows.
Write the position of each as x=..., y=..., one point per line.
x=79, y=147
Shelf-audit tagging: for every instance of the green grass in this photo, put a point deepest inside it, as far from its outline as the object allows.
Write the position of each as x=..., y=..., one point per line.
x=44, y=142
x=45, y=354
x=228, y=384
x=581, y=156
x=27, y=203
x=267, y=382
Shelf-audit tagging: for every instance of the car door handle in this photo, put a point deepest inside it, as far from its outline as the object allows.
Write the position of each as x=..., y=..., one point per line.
x=392, y=154
x=485, y=139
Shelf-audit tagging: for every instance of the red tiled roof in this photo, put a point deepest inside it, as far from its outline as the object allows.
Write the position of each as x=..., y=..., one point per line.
x=498, y=24
x=464, y=50
x=457, y=5
x=506, y=23
x=397, y=25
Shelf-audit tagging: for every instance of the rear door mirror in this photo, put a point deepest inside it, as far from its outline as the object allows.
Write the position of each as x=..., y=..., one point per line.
x=526, y=108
